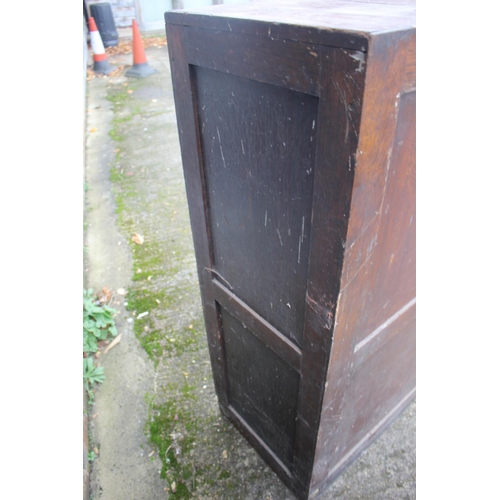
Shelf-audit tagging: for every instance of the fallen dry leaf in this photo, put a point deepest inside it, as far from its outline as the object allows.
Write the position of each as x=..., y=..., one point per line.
x=104, y=295
x=151, y=454
x=92, y=130
x=174, y=487
x=125, y=46
x=137, y=238
x=115, y=341
x=118, y=71
x=224, y=454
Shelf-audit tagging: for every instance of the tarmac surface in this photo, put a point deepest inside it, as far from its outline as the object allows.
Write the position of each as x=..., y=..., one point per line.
x=155, y=424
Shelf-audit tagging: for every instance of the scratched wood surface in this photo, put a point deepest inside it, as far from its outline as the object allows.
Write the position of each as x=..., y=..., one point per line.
x=298, y=140
x=371, y=371
x=240, y=120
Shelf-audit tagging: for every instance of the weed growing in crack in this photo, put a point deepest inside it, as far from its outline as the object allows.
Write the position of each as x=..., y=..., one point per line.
x=98, y=322
x=92, y=374
x=98, y=326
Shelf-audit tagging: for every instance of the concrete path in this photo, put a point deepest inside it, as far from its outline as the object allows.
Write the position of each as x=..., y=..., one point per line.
x=155, y=422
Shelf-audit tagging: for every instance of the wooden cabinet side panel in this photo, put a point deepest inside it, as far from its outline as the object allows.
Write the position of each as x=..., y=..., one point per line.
x=375, y=300
x=207, y=150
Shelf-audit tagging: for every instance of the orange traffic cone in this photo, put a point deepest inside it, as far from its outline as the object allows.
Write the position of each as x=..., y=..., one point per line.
x=101, y=64
x=141, y=67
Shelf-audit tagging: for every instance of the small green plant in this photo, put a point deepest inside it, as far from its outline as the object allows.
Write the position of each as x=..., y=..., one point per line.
x=91, y=456
x=98, y=322
x=92, y=374
x=98, y=325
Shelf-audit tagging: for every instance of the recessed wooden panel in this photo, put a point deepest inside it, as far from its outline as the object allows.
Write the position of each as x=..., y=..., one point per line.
x=258, y=146
x=379, y=378
x=262, y=387
x=390, y=283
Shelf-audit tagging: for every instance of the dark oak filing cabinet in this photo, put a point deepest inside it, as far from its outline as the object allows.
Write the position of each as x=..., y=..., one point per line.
x=297, y=130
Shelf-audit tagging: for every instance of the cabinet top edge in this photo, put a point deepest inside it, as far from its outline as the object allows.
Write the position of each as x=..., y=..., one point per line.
x=358, y=18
